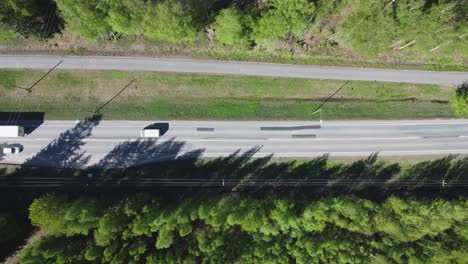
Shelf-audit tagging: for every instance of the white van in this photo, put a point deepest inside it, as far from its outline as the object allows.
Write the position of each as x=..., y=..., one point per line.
x=150, y=133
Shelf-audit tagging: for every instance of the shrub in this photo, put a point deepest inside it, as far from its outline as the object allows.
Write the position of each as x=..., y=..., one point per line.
x=229, y=27
x=459, y=101
x=282, y=19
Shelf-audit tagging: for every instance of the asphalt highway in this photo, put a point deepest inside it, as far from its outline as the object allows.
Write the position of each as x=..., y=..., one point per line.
x=230, y=67
x=118, y=143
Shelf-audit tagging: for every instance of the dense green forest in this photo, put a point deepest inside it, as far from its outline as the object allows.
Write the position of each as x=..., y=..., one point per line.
x=423, y=30
x=143, y=228
x=409, y=217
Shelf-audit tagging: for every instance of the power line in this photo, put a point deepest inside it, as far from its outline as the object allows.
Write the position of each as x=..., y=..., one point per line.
x=29, y=89
x=219, y=182
x=333, y=94
x=110, y=100
x=48, y=21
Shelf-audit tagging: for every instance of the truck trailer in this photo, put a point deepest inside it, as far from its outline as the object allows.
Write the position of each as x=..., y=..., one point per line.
x=11, y=131
x=150, y=133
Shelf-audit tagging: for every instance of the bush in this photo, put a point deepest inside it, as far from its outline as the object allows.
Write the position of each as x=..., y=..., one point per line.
x=168, y=21
x=282, y=19
x=229, y=27
x=459, y=101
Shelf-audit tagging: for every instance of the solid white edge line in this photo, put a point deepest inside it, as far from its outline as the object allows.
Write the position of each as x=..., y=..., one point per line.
x=292, y=155
x=213, y=140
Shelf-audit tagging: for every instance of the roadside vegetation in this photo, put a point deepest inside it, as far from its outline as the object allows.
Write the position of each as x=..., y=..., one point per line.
x=197, y=96
x=459, y=101
x=385, y=33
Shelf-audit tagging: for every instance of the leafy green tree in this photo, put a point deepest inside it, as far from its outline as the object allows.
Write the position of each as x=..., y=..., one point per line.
x=25, y=8
x=410, y=220
x=248, y=219
x=111, y=226
x=47, y=213
x=52, y=249
x=84, y=18
x=284, y=219
x=125, y=16
x=93, y=252
x=169, y=21
x=282, y=19
x=352, y=213
x=58, y=216
x=82, y=216
x=229, y=26
x=165, y=238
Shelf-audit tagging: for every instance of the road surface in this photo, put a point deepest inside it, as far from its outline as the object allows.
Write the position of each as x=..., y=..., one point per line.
x=117, y=143
x=236, y=68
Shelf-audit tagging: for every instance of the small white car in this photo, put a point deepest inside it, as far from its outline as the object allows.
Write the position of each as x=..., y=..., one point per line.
x=11, y=150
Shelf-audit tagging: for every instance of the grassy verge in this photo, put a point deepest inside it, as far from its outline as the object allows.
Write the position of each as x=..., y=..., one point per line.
x=287, y=57
x=196, y=96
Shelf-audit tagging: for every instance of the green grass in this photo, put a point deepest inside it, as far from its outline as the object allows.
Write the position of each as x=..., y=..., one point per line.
x=336, y=60
x=8, y=79
x=195, y=96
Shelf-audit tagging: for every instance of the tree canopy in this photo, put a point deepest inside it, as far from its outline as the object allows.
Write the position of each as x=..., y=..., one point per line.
x=282, y=19
x=342, y=229
x=229, y=27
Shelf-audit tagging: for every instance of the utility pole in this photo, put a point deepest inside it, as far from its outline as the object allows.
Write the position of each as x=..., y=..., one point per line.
x=78, y=116
x=319, y=111
x=319, y=108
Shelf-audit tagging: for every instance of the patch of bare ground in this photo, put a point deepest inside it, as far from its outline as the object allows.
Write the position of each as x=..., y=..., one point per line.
x=322, y=47
x=68, y=44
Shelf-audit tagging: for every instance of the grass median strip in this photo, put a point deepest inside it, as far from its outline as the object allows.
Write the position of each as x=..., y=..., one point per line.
x=198, y=96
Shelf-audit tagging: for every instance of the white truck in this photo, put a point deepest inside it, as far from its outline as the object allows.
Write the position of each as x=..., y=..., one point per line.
x=150, y=133
x=11, y=131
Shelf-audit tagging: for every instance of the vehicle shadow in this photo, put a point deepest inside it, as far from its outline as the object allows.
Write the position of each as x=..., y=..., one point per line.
x=162, y=127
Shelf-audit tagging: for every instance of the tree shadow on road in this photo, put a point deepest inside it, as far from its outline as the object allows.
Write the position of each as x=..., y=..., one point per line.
x=132, y=153
x=119, y=164
x=164, y=166
x=57, y=164
x=64, y=152
x=241, y=172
